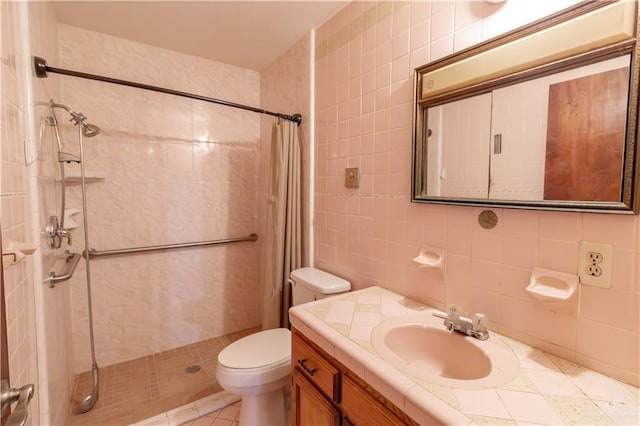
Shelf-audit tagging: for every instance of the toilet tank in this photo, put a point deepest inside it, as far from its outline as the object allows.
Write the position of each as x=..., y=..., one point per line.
x=309, y=284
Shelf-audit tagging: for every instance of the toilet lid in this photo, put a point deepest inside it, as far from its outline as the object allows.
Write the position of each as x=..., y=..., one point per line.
x=258, y=350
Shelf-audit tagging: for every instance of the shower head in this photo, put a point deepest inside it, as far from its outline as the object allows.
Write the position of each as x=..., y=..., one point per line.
x=77, y=118
x=90, y=130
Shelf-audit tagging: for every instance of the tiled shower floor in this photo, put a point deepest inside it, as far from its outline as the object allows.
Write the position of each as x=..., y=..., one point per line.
x=141, y=388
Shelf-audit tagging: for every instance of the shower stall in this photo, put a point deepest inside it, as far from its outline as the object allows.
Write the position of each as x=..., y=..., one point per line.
x=164, y=171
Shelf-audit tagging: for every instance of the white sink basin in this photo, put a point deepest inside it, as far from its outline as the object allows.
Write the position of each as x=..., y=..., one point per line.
x=421, y=347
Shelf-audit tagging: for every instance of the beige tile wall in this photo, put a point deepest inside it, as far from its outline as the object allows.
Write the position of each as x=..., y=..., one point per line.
x=53, y=305
x=364, y=60
x=175, y=170
x=37, y=316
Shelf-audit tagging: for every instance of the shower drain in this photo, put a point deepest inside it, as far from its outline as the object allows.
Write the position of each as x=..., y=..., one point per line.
x=192, y=369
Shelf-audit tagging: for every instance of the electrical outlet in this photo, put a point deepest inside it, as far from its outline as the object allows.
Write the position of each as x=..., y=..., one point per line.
x=594, y=263
x=594, y=270
x=594, y=257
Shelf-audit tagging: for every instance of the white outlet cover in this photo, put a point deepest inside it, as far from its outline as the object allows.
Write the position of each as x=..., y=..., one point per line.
x=606, y=250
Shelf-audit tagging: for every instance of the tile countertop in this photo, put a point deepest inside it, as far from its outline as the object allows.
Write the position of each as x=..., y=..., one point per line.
x=547, y=390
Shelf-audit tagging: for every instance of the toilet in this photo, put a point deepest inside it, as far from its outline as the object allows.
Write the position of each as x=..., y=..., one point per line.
x=258, y=367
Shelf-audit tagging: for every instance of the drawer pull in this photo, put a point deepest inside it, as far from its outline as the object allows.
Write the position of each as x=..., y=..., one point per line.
x=306, y=368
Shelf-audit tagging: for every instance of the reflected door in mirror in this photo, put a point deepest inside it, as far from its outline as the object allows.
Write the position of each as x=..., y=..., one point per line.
x=585, y=137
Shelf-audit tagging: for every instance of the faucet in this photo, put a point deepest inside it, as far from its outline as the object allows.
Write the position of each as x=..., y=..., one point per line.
x=476, y=326
x=63, y=233
x=55, y=234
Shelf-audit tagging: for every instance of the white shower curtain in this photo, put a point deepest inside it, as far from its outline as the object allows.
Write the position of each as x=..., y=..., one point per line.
x=283, y=245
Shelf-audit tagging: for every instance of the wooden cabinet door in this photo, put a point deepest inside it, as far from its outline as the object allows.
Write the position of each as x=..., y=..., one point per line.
x=361, y=409
x=308, y=406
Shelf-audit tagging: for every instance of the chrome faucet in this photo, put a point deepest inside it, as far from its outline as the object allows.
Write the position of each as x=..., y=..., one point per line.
x=55, y=234
x=63, y=233
x=476, y=326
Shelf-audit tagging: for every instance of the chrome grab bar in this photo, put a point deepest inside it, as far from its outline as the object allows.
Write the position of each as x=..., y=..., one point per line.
x=116, y=252
x=72, y=260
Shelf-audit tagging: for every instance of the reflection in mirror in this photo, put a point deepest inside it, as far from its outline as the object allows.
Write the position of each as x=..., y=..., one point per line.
x=458, y=142
x=558, y=137
x=543, y=117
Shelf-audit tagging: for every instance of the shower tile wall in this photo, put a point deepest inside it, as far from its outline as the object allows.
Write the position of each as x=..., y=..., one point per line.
x=15, y=203
x=175, y=171
x=32, y=308
x=364, y=59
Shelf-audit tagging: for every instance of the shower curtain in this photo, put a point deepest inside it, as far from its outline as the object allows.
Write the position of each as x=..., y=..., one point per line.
x=283, y=245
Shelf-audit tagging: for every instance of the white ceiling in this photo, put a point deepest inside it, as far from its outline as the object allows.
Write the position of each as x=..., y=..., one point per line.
x=249, y=34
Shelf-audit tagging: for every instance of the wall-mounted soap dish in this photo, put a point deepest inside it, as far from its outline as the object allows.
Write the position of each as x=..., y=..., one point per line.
x=16, y=251
x=431, y=258
x=552, y=286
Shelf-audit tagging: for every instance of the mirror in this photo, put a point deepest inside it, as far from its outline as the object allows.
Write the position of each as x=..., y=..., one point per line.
x=554, y=128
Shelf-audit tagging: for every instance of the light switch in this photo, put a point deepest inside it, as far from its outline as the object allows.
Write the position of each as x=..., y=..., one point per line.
x=352, y=177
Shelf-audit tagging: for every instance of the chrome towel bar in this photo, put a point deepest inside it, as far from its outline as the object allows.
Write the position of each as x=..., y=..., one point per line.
x=116, y=252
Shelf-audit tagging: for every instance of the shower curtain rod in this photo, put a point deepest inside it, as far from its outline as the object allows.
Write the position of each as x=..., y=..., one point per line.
x=42, y=70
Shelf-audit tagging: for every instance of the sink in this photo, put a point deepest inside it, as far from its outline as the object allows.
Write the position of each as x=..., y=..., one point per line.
x=421, y=347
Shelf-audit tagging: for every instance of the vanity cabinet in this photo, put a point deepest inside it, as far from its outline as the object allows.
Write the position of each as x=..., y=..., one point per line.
x=326, y=393
x=308, y=406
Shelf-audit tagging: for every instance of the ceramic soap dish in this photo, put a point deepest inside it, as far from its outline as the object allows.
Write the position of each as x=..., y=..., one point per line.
x=552, y=286
x=431, y=258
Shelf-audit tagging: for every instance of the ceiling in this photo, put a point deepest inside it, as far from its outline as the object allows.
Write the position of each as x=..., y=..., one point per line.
x=249, y=34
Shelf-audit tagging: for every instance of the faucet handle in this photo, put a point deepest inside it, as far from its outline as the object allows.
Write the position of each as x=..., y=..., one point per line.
x=452, y=312
x=479, y=322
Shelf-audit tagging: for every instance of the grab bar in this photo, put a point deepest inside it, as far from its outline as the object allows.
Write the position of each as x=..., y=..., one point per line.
x=115, y=252
x=72, y=260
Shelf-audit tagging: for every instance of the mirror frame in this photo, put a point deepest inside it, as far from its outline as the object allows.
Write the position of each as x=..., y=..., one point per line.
x=630, y=192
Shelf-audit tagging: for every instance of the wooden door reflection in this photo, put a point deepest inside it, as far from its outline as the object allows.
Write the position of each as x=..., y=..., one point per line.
x=585, y=137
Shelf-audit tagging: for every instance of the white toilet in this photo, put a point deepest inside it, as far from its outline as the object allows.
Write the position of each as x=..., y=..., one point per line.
x=258, y=367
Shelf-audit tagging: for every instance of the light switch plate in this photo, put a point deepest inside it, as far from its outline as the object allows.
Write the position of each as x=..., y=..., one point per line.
x=352, y=177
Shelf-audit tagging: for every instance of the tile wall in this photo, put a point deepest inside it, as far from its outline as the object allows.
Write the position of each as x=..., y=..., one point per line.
x=15, y=202
x=38, y=317
x=169, y=170
x=53, y=305
x=364, y=60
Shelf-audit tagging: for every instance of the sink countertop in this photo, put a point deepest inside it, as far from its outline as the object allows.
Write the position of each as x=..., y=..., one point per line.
x=547, y=390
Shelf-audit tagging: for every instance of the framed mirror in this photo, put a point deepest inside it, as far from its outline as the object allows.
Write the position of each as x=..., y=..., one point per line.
x=543, y=117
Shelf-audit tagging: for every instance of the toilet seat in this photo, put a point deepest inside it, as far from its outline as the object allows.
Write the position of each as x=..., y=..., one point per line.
x=258, y=350
x=260, y=358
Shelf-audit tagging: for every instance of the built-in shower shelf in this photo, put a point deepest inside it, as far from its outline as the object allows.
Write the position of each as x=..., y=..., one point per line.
x=88, y=178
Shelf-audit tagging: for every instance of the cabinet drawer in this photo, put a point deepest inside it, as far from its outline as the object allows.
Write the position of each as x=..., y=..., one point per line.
x=314, y=366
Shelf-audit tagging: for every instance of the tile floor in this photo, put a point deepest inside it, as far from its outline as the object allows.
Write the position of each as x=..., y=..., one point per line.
x=145, y=387
x=227, y=416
